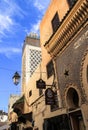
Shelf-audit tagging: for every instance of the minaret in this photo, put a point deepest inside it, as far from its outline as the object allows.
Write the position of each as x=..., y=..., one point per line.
x=31, y=57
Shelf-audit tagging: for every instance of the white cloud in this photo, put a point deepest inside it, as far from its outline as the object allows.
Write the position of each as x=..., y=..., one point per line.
x=38, y=5
x=5, y=23
x=9, y=51
x=41, y=4
x=35, y=27
x=10, y=7
x=8, y=10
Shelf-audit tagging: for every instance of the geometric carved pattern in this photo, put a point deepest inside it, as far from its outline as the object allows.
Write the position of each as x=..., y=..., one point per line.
x=35, y=58
x=68, y=87
x=83, y=71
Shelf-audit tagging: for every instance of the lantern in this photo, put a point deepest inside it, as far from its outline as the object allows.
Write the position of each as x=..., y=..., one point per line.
x=16, y=78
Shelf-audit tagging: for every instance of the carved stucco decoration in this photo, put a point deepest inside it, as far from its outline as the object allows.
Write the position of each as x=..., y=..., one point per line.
x=70, y=26
x=83, y=88
x=83, y=74
x=76, y=88
x=83, y=91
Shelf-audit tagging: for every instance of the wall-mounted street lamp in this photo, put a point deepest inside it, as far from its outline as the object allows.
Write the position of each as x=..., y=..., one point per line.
x=41, y=84
x=16, y=78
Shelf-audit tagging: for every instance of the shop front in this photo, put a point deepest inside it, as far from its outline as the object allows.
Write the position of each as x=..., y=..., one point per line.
x=60, y=122
x=70, y=121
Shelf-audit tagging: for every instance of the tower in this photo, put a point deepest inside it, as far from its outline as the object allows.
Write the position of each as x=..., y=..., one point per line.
x=31, y=57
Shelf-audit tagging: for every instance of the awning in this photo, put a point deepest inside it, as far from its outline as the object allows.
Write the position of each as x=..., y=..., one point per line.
x=19, y=101
x=18, y=106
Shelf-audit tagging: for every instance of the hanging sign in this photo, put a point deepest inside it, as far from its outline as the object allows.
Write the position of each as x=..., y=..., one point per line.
x=49, y=97
x=41, y=84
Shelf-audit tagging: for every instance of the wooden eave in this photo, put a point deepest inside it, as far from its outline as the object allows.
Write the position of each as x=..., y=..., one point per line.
x=75, y=19
x=19, y=104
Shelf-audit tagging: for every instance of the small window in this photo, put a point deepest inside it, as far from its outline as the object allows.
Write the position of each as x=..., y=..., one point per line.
x=30, y=93
x=71, y=2
x=55, y=22
x=50, y=69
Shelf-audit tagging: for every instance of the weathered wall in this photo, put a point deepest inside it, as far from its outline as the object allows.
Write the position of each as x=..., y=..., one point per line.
x=71, y=60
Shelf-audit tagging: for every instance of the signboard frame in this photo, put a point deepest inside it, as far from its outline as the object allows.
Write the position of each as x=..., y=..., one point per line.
x=49, y=97
x=41, y=84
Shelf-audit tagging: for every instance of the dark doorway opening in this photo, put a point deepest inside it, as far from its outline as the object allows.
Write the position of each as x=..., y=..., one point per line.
x=72, y=99
x=76, y=119
x=57, y=123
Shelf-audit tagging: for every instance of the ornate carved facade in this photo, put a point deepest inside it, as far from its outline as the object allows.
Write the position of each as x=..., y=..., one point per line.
x=68, y=47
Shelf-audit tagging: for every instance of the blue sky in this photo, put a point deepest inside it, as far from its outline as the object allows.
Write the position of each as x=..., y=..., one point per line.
x=17, y=19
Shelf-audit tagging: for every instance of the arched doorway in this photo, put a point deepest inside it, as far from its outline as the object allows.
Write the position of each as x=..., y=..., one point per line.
x=74, y=111
x=72, y=99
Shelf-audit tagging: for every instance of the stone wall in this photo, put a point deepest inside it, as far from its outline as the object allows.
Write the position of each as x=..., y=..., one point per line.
x=69, y=62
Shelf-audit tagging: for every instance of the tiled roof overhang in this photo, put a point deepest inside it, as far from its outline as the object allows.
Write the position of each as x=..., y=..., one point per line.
x=72, y=23
x=19, y=101
x=19, y=104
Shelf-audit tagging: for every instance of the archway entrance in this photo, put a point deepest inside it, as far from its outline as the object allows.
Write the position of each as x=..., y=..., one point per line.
x=72, y=99
x=74, y=111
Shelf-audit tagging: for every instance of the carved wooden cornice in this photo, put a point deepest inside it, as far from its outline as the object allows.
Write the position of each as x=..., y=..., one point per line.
x=74, y=20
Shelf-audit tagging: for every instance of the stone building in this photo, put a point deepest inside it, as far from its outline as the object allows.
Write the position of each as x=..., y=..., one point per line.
x=66, y=23
x=64, y=68
x=21, y=117
x=31, y=57
x=56, y=96
x=12, y=116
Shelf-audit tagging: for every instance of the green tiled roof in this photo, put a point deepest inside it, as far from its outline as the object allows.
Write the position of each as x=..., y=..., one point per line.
x=19, y=101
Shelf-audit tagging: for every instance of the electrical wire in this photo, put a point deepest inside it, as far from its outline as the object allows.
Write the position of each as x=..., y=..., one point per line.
x=8, y=69
x=1, y=68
